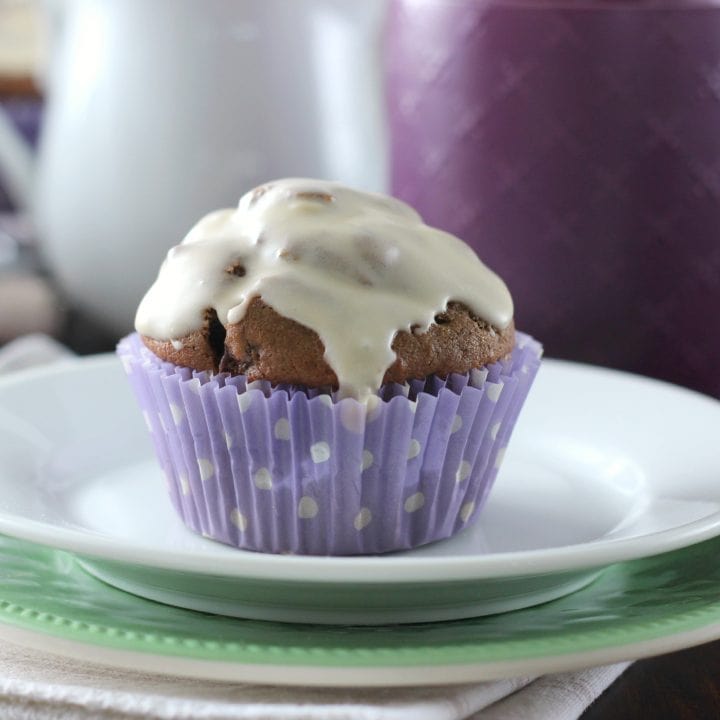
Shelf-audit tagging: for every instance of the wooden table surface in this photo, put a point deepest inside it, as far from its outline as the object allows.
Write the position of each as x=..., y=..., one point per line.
x=681, y=686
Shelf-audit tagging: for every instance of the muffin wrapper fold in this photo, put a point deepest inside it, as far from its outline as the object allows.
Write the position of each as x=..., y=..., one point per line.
x=286, y=469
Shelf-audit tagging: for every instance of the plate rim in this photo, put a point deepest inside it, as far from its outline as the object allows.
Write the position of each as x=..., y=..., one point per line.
x=348, y=677
x=363, y=569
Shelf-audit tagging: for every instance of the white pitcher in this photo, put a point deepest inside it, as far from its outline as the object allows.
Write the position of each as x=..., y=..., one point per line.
x=161, y=110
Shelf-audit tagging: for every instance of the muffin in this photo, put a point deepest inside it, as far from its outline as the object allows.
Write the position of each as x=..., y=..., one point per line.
x=322, y=373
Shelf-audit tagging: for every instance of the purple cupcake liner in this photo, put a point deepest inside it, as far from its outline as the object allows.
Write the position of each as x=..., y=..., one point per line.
x=286, y=469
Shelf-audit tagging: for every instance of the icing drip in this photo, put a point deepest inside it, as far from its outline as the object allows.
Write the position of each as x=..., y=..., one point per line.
x=355, y=267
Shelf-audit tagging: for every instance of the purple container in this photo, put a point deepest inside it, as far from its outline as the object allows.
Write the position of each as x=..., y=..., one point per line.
x=290, y=470
x=576, y=147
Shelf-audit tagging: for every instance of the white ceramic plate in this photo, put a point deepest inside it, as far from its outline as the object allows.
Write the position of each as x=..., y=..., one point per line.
x=603, y=467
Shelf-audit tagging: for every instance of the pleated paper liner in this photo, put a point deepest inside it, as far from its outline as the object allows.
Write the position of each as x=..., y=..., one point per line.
x=286, y=469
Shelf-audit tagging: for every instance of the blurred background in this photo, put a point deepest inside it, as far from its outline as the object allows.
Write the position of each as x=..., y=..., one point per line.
x=575, y=145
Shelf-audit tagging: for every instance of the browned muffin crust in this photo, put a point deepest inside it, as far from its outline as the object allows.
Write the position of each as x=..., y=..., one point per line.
x=265, y=345
x=200, y=349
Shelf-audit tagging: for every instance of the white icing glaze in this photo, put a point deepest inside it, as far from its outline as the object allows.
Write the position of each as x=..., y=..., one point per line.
x=355, y=267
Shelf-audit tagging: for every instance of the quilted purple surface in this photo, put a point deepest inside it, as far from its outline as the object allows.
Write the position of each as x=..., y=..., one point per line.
x=577, y=148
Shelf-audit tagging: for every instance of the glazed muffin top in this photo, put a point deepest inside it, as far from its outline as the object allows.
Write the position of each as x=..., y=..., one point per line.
x=314, y=283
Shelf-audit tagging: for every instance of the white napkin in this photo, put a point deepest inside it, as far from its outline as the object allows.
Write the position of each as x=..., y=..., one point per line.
x=40, y=686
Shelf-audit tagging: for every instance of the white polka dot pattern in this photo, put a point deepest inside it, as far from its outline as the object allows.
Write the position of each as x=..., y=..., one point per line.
x=414, y=502
x=238, y=520
x=244, y=401
x=493, y=391
x=282, y=429
x=184, y=485
x=206, y=468
x=463, y=471
x=414, y=449
x=307, y=508
x=287, y=501
x=367, y=460
x=320, y=452
x=362, y=519
x=466, y=511
x=263, y=479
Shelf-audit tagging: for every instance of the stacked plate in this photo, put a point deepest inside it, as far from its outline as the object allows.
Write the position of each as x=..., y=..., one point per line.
x=596, y=545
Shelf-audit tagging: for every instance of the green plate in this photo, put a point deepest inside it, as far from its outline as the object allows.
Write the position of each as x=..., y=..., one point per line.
x=633, y=609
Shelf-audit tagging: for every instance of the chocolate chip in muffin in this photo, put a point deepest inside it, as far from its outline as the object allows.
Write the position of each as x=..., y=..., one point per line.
x=237, y=269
